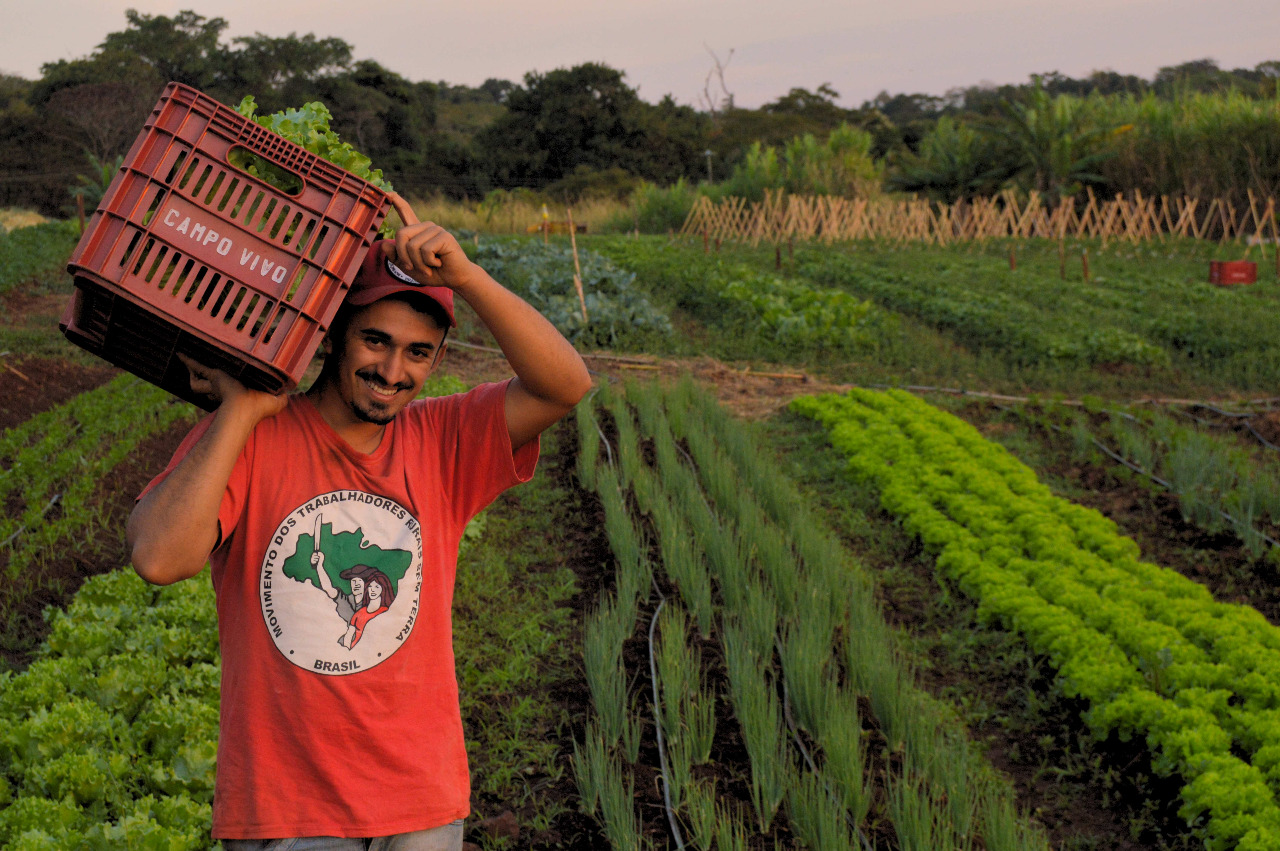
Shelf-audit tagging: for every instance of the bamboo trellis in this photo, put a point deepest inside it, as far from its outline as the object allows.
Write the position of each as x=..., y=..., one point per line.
x=782, y=218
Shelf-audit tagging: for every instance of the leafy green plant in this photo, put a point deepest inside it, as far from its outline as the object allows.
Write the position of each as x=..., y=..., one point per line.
x=1150, y=651
x=617, y=312
x=307, y=127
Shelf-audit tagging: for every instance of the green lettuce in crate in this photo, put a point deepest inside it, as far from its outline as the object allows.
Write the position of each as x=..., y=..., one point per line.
x=308, y=128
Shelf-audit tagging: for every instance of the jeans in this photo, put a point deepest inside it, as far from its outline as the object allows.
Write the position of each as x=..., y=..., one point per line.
x=446, y=838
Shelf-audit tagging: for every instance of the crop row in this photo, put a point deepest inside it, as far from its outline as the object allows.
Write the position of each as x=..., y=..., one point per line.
x=784, y=317
x=1150, y=309
x=1220, y=485
x=35, y=253
x=108, y=739
x=1149, y=650
x=54, y=468
x=746, y=603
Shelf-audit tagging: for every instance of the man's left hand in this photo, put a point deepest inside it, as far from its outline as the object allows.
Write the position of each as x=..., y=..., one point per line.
x=426, y=251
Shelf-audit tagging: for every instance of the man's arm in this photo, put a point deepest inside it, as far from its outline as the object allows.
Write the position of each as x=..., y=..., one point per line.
x=550, y=375
x=172, y=529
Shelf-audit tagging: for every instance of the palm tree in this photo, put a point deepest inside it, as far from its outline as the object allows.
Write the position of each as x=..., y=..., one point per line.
x=1057, y=154
x=954, y=162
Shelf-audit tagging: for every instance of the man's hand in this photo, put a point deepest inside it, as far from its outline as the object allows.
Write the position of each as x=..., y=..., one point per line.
x=224, y=389
x=428, y=252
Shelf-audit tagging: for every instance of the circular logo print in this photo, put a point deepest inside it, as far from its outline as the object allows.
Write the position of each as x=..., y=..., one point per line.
x=340, y=582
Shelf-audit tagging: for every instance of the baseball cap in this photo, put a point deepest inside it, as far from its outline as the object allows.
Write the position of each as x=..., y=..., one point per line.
x=379, y=277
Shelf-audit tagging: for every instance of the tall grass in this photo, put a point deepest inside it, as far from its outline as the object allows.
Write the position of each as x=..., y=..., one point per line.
x=1202, y=145
x=516, y=215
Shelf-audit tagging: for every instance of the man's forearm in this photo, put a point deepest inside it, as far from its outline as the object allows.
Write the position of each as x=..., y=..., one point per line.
x=172, y=530
x=545, y=362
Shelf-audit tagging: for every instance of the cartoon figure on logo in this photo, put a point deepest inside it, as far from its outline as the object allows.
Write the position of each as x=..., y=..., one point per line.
x=346, y=603
x=378, y=597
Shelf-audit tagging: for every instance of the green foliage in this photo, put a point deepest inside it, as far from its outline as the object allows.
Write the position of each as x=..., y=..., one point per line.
x=953, y=161
x=108, y=739
x=1149, y=651
x=307, y=127
x=1056, y=151
x=1148, y=308
x=840, y=165
x=656, y=209
x=587, y=116
x=758, y=315
x=92, y=186
x=618, y=313
x=786, y=590
x=36, y=255
x=58, y=459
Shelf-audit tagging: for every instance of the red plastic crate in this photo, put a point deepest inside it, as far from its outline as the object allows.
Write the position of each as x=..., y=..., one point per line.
x=1228, y=272
x=189, y=254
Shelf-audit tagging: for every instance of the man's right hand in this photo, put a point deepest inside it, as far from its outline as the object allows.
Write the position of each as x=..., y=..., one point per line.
x=224, y=389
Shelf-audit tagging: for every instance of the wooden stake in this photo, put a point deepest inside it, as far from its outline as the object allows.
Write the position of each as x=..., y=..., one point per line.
x=777, y=257
x=1013, y=260
x=577, y=268
x=1084, y=262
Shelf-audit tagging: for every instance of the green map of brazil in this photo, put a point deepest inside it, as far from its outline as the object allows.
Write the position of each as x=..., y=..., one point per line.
x=344, y=550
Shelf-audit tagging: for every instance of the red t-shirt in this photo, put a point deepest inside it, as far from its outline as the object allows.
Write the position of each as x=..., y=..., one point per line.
x=317, y=739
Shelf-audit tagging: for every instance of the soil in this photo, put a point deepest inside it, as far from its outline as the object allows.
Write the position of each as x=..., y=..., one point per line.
x=29, y=386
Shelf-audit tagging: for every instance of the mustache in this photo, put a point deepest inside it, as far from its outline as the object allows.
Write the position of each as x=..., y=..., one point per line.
x=369, y=374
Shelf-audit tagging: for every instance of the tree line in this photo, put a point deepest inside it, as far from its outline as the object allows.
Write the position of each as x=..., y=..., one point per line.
x=583, y=130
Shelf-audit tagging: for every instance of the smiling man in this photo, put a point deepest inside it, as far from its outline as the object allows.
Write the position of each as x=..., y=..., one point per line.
x=297, y=502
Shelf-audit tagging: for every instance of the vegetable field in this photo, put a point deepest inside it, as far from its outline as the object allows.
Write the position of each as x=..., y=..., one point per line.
x=860, y=547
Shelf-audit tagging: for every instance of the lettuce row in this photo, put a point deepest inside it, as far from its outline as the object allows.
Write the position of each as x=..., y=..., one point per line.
x=1151, y=651
x=108, y=740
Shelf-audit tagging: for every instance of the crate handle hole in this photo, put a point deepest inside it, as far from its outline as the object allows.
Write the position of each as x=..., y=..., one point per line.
x=258, y=166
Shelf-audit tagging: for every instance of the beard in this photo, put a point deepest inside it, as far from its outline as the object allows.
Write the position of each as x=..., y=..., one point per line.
x=372, y=411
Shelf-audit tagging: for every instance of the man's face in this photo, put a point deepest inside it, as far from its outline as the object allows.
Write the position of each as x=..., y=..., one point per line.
x=388, y=352
x=357, y=586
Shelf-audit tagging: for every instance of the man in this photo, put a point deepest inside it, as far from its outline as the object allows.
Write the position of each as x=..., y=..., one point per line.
x=362, y=739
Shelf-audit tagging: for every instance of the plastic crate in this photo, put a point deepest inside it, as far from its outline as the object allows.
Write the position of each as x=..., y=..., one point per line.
x=189, y=254
x=1229, y=272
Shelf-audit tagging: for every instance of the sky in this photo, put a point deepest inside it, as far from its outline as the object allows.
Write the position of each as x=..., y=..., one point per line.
x=671, y=46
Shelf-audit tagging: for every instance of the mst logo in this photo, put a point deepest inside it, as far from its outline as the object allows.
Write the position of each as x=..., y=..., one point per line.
x=340, y=582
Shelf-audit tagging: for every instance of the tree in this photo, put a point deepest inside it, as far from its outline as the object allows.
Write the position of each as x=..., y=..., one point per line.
x=183, y=48
x=270, y=67
x=105, y=117
x=497, y=89
x=1056, y=154
x=585, y=116
x=954, y=162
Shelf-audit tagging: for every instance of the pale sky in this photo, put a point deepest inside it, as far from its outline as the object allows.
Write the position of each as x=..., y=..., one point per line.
x=859, y=47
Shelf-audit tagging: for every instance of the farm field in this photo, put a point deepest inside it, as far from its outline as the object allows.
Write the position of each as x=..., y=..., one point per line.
x=1029, y=605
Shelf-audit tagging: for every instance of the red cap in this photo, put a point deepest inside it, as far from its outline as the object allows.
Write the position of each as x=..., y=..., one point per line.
x=379, y=277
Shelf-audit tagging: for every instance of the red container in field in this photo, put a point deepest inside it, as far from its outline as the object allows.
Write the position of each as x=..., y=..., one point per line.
x=189, y=254
x=1228, y=272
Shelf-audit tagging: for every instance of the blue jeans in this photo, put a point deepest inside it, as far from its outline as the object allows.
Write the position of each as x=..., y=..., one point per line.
x=446, y=838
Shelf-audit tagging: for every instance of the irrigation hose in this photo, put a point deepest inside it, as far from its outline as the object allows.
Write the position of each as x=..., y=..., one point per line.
x=657, y=728
x=795, y=737
x=1152, y=476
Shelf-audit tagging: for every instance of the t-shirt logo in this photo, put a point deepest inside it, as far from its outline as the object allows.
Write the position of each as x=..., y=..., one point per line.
x=340, y=582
